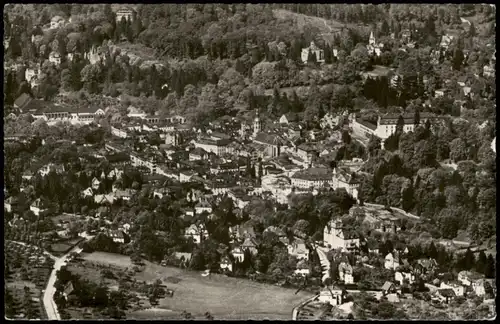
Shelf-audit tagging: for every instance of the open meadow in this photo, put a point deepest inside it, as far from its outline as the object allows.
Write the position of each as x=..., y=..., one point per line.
x=223, y=297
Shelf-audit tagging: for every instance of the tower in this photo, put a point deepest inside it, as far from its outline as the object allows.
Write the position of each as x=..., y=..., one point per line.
x=256, y=125
x=372, y=39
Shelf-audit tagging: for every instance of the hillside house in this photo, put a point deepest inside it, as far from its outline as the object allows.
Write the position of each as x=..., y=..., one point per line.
x=288, y=118
x=126, y=13
x=37, y=207
x=401, y=277
x=329, y=121
x=337, y=236
x=249, y=244
x=312, y=49
x=23, y=101
x=55, y=58
x=391, y=261
x=226, y=264
x=196, y=231
x=468, y=278
x=445, y=295
x=389, y=288
x=299, y=249
x=68, y=289
x=117, y=236
x=271, y=144
x=238, y=254
x=458, y=288
x=424, y=266
x=88, y=192
x=346, y=180
x=218, y=147
x=346, y=273
x=203, y=207
x=95, y=183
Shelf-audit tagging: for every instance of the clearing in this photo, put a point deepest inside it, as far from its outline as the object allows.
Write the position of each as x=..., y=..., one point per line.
x=223, y=297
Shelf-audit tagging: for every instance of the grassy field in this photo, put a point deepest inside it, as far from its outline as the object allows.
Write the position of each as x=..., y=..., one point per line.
x=62, y=247
x=223, y=297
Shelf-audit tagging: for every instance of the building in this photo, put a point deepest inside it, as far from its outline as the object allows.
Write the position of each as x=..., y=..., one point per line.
x=197, y=232
x=218, y=147
x=37, y=207
x=299, y=249
x=389, y=288
x=345, y=273
x=346, y=180
x=363, y=128
x=288, y=118
x=23, y=101
x=401, y=276
x=386, y=125
x=337, y=236
x=118, y=132
x=469, y=278
x=117, y=236
x=172, y=138
x=302, y=268
x=124, y=12
x=391, y=261
x=445, y=295
x=312, y=178
x=226, y=264
x=56, y=22
x=202, y=207
x=198, y=154
x=319, y=53
x=374, y=48
x=446, y=40
x=271, y=144
x=55, y=58
x=148, y=162
x=456, y=287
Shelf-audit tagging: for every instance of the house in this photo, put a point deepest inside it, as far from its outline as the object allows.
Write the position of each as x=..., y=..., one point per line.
x=391, y=261
x=446, y=41
x=386, y=124
x=469, y=278
x=185, y=176
x=445, y=295
x=250, y=244
x=389, y=288
x=104, y=199
x=424, y=266
x=346, y=273
x=56, y=22
x=401, y=277
x=37, y=206
x=299, y=249
x=302, y=268
x=197, y=232
x=288, y=118
x=133, y=112
x=337, y=236
x=226, y=264
x=312, y=178
x=346, y=180
x=68, y=289
x=117, y=236
x=124, y=12
x=455, y=286
x=198, y=154
x=314, y=50
x=124, y=194
x=363, y=128
x=88, y=192
x=95, y=184
x=55, y=58
x=238, y=254
x=328, y=121
x=203, y=207
x=172, y=138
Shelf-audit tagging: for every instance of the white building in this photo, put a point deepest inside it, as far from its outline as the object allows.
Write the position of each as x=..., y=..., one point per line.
x=320, y=55
x=226, y=264
x=336, y=236
x=55, y=58
x=197, y=232
x=373, y=47
x=457, y=288
x=402, y=276
x=218, y=147
x=391, y=261
x=345, y=273
x=119, y=132
x=125, y=12
x=312, y=178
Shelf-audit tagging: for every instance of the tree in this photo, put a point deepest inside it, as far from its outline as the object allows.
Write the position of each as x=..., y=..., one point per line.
x=489, y=270
x=458, y=150
x=458, y=58
x=374, y=145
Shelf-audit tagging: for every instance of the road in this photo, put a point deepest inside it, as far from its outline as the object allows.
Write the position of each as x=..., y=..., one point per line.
x=48, y=297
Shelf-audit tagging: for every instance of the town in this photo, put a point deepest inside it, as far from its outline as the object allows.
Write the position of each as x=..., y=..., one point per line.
x=339, y=171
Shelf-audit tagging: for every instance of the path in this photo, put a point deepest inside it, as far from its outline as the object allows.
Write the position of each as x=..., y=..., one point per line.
x=48, y=297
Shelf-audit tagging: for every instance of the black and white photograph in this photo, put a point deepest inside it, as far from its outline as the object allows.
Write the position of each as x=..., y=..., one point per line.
x=249, y=161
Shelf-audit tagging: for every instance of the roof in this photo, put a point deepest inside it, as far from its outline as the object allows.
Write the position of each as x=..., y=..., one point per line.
x=249, y=242
x=23, y=100
x=471, y=275
x=314, y=174
x=366, y=123
x=198, y=151
x=291, y=117
x=68, y=289
x=447, y=292
x=387, y=285
x=270, y=139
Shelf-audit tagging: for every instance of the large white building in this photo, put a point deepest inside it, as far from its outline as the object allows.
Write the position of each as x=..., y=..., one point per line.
x=81, y=116
x=312, y=178
x=337, y=237
x=218, y=147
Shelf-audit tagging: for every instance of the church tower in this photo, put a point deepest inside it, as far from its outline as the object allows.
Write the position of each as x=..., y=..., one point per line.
x=257, y=126
x=372, y=39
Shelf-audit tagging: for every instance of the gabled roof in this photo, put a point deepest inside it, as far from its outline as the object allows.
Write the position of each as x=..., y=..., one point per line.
x=270, y=139
x=447, y=292
x=387, y=285
x=22, y=101
x=68, y=289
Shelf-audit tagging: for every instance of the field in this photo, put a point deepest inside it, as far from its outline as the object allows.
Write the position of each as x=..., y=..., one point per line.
x=62, y=247
x=26, y=276
x=224, y=297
